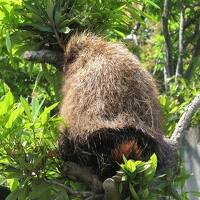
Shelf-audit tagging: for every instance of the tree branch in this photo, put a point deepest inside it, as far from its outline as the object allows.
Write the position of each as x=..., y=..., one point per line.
x=71, y=169
x=108, y=189
x=111, y=189
x=184, y=121
x=82, y=194
x=168, y=46
x=179, y=65
x=55, y=58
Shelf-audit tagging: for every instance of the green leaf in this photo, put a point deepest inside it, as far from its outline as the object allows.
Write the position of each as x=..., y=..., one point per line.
x=13, y=173
x=174, y=109
x=138, y=163
x=9, y=99
x=23, y=193
x=46, y=73
x=14, y=115
x=121, y=34
x=36, y=106
x=133, y=192
x=142, y=167
x=152, y=3
x=145, y=193
x=43, y=28
x=130, y=166
x=39, y=189
x=13, y=184
x=26, y=107
x=44, y=116
x=150, y=169
x=50, y=10
x=8, y=42
x=14, y=195
x=124, y=159
x=5, y=11
x=35, y=10
x=163, y=100
x=196, y=194
x=50, y=108
x=154, y=161
x=6, y=102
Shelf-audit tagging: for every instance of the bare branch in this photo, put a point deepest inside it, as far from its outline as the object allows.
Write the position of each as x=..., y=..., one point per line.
x=179, y=65
x=71, y=169
x=108, y=190
x=185, y=120
x=111, y=189
x=76, y=193
x=168, y=46
x=55, y=58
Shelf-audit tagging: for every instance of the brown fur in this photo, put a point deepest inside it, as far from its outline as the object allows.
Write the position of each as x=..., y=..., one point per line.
x=127, y=149
x=106, y=88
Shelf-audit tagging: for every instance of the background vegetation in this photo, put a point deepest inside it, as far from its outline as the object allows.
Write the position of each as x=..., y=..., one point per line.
x=164, y=35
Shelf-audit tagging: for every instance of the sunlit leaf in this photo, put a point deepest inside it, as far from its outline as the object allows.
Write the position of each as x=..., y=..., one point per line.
x=130, y=166
x=14, y=115
x=6, y=102
x=36, y=106
x=13, y=184
x=26, y=107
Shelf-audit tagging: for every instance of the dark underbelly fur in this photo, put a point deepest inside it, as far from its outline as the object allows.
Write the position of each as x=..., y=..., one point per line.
x=99, y=152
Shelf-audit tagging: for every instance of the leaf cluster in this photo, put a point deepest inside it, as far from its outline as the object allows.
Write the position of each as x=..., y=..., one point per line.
x=140, y=180
x=51, y=23
x=28, y=155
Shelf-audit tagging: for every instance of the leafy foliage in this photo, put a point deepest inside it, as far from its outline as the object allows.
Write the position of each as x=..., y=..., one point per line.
x=175, y=100
x=28, y=152
x=138, y=176
x=140, y=181
x=50, y=23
